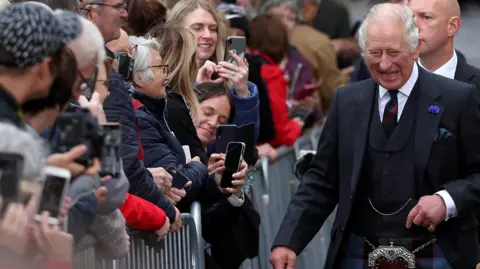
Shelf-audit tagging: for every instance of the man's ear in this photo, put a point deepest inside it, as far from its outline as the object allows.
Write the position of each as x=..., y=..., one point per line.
x=416, y=53
x=90, y=15
x=453, y=26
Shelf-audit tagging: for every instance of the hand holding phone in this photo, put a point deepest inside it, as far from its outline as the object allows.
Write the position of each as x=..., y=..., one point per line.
x=11, y=168
x=55, y=187
x=233, y=160
x=179, y=179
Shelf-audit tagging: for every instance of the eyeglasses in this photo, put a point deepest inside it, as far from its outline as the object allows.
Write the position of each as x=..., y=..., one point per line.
x=122, y=7
x=106, y=82
x=161, y=67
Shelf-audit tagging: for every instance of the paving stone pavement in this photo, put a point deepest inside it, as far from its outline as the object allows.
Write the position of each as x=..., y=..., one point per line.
x=467, y=40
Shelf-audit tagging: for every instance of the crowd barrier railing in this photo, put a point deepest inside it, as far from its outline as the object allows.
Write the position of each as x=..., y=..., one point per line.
x=271, y=193
x=180, y=250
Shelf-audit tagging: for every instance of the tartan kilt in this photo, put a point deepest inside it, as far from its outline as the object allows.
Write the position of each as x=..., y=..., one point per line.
x=356, y=254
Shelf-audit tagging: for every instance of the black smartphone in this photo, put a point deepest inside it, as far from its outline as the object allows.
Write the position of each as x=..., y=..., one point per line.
x=237, y=45
x=179, y=179
x=79, y=127
x=125, y=66
x=111, y=160
x=227, y=133
x=11, y=168
x=233, y=160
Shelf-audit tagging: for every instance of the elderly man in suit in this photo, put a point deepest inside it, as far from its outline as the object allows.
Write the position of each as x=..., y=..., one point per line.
x=399, y=153
x=439, y=22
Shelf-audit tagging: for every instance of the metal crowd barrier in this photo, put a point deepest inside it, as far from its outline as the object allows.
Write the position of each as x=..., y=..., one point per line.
x=271, y=192
x=180, y=250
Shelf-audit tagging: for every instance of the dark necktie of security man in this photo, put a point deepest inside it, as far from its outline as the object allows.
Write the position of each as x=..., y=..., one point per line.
x=390, y=114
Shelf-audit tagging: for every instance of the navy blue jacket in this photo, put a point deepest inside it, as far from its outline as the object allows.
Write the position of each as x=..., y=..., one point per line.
x=118, y=108
x=161, y=148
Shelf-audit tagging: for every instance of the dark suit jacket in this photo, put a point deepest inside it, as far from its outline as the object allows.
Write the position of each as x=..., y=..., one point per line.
x=468, y=74
x=452, y=164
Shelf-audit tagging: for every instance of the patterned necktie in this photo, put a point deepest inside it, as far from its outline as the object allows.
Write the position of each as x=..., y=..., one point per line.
x=390, y=115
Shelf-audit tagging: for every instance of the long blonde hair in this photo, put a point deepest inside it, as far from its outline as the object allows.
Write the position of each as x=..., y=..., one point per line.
x=183, y=8
x=178, y=51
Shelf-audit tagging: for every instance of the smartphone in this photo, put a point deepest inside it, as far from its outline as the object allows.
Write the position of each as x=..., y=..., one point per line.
x=233, y=160
x=55, y=187
x=125, y=66
x=110, y=158
x=237, y=45
x=11, y=168
x=79, y=127
x=179, y=179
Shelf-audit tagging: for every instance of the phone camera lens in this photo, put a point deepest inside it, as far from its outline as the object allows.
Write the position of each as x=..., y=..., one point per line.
x=229, y=42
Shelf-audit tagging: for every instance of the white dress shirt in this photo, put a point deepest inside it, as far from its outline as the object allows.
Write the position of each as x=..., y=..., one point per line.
x=448, y=69
x=402, y=96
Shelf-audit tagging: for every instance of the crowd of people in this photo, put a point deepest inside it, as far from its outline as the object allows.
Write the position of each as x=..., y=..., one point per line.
x=161, y=76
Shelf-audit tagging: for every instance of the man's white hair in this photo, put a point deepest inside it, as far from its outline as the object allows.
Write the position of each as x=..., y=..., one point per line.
x=388, y=13
x=141, y=52
x=27, y=144
x=88, y=46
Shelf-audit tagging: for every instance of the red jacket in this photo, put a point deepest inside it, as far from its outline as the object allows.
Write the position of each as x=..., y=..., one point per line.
x=286, y=131
x=142, y=215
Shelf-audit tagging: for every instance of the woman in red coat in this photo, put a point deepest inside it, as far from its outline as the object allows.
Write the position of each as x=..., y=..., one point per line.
x=269, y=40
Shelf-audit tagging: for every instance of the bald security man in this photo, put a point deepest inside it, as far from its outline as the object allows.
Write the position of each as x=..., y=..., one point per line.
x=439, y=22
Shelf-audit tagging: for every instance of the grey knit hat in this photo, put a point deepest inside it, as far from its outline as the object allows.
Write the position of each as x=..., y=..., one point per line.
x=30, y=33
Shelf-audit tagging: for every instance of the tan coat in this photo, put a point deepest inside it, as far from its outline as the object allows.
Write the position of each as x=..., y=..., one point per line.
x=319, y=51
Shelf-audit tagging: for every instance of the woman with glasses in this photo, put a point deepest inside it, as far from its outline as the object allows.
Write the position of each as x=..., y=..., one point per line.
x=160, y=147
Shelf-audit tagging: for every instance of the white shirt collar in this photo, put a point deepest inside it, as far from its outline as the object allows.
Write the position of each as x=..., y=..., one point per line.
x=448, y=69
x=407, y=88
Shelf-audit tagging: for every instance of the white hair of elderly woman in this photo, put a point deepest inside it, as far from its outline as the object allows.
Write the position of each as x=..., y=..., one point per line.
x=141, y=52
x=27, y=144
x=88, y=46
x=388, y=13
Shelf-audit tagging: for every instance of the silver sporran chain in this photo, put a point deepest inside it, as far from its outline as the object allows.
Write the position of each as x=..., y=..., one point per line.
x=392, y=253
x=388, y=214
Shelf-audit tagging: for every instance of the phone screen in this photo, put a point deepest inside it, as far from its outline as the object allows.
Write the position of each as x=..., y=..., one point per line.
x=52, y=195
x=123, y=68
x=11, y=166
x=232, y=163
x=110, y=162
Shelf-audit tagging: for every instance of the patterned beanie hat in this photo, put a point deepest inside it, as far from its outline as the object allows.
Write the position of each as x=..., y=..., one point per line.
x=30, y=33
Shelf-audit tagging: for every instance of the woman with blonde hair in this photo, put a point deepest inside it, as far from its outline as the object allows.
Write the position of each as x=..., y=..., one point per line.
x=209, y=31
x=178, y=52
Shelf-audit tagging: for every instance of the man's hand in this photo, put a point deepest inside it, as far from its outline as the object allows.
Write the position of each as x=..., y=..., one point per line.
x=67, y=161
x=175, y=195
x=162, y=179
x=177, y=225
x=430, y=211
x=283, y=258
